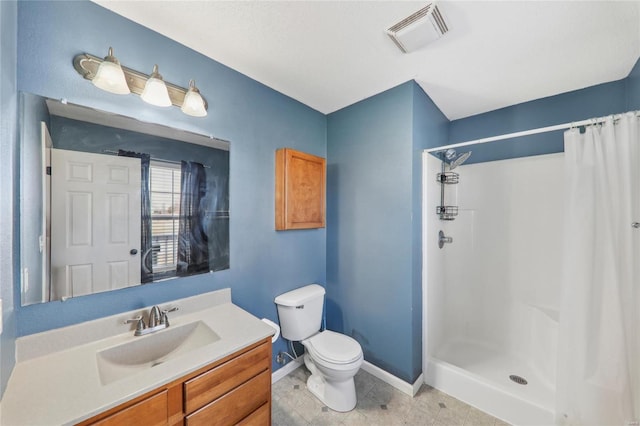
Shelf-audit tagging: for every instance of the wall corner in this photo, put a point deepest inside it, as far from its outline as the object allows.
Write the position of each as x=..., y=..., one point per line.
x=632, y=88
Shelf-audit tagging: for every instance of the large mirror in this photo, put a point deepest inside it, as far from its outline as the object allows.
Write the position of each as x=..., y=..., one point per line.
x=108, y=202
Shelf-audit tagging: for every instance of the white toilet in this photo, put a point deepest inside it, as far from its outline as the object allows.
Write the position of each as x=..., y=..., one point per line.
x=332, y=358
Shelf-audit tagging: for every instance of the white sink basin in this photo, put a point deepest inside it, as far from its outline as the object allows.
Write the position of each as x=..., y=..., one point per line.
x=145, y=352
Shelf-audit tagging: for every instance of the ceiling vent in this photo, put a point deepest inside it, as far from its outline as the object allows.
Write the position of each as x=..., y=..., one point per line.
x=419, y=29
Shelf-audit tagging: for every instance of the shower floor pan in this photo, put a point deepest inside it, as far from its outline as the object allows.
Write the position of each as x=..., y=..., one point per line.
x=479, y=376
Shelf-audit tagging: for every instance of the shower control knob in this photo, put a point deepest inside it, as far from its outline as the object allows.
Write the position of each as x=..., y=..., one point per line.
x=635, y=225
x=442, y=239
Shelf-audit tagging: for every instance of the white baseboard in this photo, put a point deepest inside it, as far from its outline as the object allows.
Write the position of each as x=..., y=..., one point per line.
x=288, y=368
x=401, y=385
x=418, y=384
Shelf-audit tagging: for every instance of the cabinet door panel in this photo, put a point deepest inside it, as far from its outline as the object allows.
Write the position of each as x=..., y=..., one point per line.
x=300, y=190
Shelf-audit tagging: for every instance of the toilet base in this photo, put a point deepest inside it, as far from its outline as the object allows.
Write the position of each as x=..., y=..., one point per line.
x=340, y=396
x=337, y=395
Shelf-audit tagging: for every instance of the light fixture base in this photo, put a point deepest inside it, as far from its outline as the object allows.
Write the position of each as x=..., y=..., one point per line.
x=87, y=65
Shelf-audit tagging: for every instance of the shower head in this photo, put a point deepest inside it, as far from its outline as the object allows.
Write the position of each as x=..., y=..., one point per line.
x=454, y=160
x=459, y=160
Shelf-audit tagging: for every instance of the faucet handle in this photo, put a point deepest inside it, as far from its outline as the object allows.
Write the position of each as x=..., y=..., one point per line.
x=139, y=323
x=164, y=319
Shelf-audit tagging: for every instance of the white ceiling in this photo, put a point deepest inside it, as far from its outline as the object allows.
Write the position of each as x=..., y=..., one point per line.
x=330, y=54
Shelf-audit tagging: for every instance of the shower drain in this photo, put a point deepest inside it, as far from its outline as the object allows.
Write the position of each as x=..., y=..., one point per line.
x=519, y=380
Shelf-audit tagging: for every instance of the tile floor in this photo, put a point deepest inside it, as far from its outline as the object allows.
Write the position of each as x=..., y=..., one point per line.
x=378, y=404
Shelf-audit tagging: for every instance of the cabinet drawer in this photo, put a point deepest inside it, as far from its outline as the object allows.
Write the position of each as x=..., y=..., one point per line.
x=260, y=417
x=151, y=411
x=214, y=383
x=236, y=405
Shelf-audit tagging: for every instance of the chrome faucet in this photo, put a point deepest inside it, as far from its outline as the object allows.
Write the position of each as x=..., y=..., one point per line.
x=154, y=317
x=156, y=321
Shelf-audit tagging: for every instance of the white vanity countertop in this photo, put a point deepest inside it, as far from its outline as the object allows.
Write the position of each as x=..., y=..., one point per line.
x=56, y=379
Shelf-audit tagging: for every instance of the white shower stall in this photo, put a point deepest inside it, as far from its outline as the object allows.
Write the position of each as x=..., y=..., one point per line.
x=492, y=295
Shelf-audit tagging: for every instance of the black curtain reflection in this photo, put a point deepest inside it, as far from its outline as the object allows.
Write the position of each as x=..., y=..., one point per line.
x=146, y=267
x=193, y=243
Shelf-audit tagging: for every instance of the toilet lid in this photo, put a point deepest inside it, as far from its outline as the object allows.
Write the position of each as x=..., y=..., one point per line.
x=335, y=347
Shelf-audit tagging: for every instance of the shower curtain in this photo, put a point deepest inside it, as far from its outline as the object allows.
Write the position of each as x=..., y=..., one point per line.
x=598, y=376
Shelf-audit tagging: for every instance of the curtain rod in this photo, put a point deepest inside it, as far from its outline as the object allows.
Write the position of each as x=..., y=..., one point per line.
x=527, y=132
x=110, y=151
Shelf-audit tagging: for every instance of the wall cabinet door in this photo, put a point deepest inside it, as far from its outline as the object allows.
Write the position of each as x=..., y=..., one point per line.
x=300, y=190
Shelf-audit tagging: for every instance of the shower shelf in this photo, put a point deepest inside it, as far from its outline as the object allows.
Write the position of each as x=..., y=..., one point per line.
x=450, y=160
x=448, y=177
x=447, y=212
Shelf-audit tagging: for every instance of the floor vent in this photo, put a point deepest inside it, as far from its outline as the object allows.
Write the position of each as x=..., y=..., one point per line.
x=519, y=380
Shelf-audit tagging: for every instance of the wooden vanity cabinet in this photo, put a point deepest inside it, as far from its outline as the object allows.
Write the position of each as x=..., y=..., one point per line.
x=300, y=190
x=233, y=390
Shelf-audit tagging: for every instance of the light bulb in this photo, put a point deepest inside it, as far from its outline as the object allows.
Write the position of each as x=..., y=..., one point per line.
x=155, y=91
x=110, y=76
x=193, y=103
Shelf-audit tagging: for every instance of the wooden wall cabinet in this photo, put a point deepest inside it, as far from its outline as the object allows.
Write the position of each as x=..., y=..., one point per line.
x=300, y=190
x=234, y=390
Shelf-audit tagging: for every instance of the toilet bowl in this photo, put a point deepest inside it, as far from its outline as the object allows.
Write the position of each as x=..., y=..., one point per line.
x=332, y=358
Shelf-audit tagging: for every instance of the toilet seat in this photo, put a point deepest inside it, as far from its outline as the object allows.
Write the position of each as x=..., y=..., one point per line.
x=334, y=348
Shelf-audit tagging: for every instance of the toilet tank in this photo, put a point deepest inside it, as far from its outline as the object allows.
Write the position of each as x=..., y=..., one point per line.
x=300, y=312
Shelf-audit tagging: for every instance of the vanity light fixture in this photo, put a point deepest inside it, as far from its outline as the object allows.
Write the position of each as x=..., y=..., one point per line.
x=152, y=88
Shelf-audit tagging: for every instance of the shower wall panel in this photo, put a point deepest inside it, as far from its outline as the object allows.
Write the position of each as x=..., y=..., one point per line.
x=516, y=247
x=498, y=283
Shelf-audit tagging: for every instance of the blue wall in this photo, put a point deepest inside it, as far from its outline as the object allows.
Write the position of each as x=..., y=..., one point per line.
x=373, y=243
x=633, y=88
x=594, y=101
x=256, y=119
x=8, y=189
